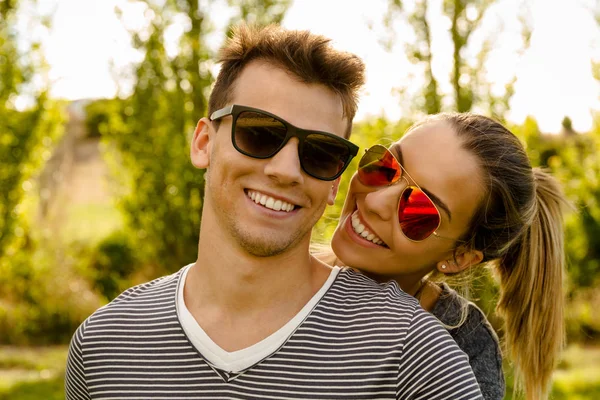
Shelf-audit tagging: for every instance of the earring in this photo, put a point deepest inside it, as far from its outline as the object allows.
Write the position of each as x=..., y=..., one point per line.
x=444, y=266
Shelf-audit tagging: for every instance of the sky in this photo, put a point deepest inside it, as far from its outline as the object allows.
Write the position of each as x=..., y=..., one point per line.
x=554, y=77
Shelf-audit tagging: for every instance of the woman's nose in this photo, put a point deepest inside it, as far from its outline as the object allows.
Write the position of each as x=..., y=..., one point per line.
x=383, y=201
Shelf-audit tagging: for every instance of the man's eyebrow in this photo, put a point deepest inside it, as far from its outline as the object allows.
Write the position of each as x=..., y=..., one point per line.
x=397, y=152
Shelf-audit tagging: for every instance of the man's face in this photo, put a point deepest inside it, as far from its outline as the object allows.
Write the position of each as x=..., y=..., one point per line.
x=244, y=193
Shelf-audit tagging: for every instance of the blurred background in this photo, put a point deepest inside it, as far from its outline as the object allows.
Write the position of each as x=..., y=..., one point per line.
x=99, y=99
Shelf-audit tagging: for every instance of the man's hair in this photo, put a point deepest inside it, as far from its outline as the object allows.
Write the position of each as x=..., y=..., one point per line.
x=308, y=57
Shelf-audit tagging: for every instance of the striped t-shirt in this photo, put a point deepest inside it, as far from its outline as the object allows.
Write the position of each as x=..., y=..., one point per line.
x=362, y=340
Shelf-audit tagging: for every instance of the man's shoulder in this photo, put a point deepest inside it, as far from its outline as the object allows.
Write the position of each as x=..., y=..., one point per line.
x=145, y=297
x=385, y=305
x=358, y=282
x=355, y=290
x=155, y=287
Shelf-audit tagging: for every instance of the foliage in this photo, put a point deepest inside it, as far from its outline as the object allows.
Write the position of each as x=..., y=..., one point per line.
x=151, y=130
x=112, y=265
x=261, y=12
x=43, y=299
x=583, y=320
x=461, y=30
x=26, y=137
x=422, y=54
x=471, y=90
x=574, y=159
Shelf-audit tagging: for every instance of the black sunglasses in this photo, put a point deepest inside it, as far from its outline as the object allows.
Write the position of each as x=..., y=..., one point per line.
x=260, y=134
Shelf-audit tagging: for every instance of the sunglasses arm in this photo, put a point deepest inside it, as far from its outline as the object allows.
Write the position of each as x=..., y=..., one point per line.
x=223, y=112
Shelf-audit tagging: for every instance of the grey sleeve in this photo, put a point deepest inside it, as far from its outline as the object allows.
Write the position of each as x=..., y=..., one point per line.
x=433, y=367
x=476, y=338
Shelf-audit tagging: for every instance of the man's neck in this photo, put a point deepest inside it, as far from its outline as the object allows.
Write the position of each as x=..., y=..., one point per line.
x=239, y=299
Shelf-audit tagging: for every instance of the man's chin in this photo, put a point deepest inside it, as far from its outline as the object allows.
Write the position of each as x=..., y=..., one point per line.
x=267, y=247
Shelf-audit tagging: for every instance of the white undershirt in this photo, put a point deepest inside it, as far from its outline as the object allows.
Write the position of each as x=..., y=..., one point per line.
x=239, y=360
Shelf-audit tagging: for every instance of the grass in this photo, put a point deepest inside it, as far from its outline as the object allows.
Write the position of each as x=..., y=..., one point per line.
x=38, y=373
x=578, y=375
x=32, y=373
x=49, y=389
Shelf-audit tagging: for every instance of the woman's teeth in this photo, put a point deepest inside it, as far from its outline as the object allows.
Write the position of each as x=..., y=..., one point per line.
x=360, y=229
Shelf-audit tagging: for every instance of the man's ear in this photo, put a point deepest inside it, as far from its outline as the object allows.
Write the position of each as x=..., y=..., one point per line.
x=463, y=260
x=201, y=144
x=333, y=191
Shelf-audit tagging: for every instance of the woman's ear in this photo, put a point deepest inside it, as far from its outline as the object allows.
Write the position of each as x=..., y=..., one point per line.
x=201, y=144
x=463, y=260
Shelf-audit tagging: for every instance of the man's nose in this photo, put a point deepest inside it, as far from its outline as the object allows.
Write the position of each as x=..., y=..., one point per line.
x=285, y=165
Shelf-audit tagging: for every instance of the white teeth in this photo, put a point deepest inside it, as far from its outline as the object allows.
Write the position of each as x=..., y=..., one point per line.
x=269, y=202
x=362, y=231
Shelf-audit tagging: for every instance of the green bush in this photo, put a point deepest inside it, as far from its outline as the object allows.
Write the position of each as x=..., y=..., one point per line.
x=582, y=317
x=43, y=299
x=112, y=264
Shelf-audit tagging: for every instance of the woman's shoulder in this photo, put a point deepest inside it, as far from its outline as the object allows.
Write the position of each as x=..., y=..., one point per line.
x=472, y=329
x=476, y=337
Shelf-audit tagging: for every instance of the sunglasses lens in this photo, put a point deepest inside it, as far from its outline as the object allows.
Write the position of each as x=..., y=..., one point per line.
x=324, y=156
x=262, y=136
x=418, y=216
x=378, y=167
x=258, y=135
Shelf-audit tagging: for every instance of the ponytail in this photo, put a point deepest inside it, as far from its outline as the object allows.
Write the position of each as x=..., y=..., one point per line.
x=531, y=293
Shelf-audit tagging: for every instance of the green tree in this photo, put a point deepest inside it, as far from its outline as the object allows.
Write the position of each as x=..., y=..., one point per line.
x=462, y=28
x=30, y=123
x=573, y=159
x=26, y=136
x=151, y=129
x=469, y=85
x=420, y=52
x=260, y=12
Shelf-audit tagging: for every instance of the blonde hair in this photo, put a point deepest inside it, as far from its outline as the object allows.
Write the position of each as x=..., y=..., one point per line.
x=519, y=228
x=532, y=301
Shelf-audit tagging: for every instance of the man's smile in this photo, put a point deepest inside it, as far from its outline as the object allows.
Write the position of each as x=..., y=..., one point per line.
x=270, y=202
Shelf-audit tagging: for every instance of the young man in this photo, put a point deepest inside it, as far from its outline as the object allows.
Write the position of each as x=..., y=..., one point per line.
x=256, y=316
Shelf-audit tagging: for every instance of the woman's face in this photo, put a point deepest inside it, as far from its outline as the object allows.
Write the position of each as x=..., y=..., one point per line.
x=433, y=157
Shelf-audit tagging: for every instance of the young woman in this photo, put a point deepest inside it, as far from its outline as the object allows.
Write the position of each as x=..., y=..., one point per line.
x=456, y=192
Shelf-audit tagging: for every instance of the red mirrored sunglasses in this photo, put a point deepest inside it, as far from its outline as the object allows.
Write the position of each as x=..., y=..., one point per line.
x=418, y=215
